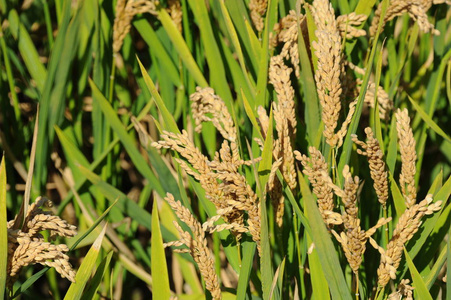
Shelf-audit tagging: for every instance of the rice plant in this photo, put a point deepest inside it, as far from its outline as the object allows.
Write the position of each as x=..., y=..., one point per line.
x=225, y=149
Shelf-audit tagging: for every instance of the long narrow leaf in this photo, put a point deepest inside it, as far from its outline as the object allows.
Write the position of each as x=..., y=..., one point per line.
x=158, y=264
x=323, y=244
x=421, y=291
x=84, y=272
x=3, y=230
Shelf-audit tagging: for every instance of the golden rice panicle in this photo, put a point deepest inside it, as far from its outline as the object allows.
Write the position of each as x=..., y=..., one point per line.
x=385, y=104
x=329, y=72
x=239, y=194
x=181, y=143
x=404, y=291
x=372, y=150
x=198, y=167
x=125, y=11
x=408, y=225
x=209, y=225
x=347, y=25
x=284, y=115
x=175, y=11
x=288, y=34
x=197, y=245
x=204, y=102
x=263, y=120
x=279, y=77
x=353, y=239
x=258, y=10
x=314, y=167
x=416, y=10
x=26, y=246
x=408, y=157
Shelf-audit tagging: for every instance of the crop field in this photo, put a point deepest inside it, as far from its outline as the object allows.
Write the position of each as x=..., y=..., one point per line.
x=225, y=149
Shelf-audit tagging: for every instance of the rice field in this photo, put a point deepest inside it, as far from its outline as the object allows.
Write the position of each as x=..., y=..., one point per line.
x=225, y=149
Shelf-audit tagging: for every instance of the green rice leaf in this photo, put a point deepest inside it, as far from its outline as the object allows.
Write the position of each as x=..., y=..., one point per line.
x=398, y=199
x=27, y=50
x=151, y=38
x=421, y=291
x=430, y=279
x=87, y=266
x=426, y=118
x=323, y=244
x=265, y=259
x=264, y=168
x=250, y=114
x=352, y=128
x=320, y=287
x=236, y=43
x=262, y=77
x=448, y=267
x=312, y=112
x=246, y=267
x=181, y=47
x=159, y=267
x=431, y=222
x=169, y=122
x=3, y=230
x=94, y=284
x=127, y=206
x=126, y=140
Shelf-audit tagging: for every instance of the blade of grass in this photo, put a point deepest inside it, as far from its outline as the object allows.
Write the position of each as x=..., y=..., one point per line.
x=320, y=287
x=236, y=44
x=52, y=101
x=352, y=128
x=326, y=250
x=239, y=15
x=262, y=77
x=126, y=140
x=448, y=267
x=312, y=112
x=264, y=168
x=159, y=267
x=421, y=291
x=169, y=122
x=430, y=223
x=435, y=270
x=265, y=259
x=3, y=230
x=151, y=38
x=96, y=281
x=84, y=272
x=212, y=53
x=181, y=47
x=127, y=206
x=27, y=50
x=278, y=276
x=246, y=267
x=426, y=118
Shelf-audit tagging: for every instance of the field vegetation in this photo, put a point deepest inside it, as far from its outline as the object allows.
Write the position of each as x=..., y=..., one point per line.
x=225, y=149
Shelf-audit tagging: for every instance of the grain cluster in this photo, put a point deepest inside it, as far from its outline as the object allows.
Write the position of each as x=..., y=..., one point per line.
x=26, y=245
